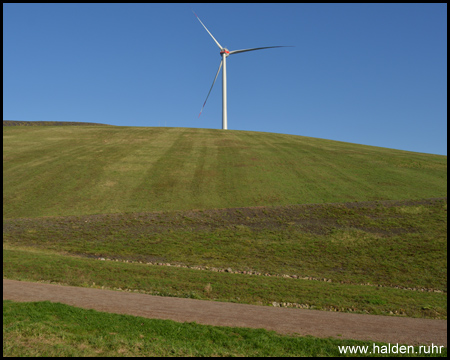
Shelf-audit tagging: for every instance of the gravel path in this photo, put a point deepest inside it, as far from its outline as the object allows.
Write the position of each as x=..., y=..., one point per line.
x=283, y=320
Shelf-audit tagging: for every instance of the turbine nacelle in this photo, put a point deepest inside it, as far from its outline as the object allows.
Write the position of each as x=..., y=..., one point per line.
x=224, y=51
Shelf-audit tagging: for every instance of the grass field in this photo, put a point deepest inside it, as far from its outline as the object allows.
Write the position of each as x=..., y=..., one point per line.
x=80, y=170
x=49, y=329
x=234, y=216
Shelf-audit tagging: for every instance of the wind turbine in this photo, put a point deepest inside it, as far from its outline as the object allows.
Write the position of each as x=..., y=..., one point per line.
x=225, y=53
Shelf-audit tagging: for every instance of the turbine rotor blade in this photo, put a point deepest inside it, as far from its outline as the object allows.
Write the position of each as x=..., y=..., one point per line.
x=220, y=66
x=260, y=48
x=220, y=46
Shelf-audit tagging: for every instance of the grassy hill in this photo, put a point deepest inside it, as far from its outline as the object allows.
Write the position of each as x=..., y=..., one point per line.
x=238, y=216
x=66, y=170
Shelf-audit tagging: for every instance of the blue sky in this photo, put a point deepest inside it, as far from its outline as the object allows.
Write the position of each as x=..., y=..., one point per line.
x=373, y=74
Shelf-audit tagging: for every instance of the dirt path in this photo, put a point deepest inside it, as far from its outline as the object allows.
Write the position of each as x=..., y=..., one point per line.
x=283, y=320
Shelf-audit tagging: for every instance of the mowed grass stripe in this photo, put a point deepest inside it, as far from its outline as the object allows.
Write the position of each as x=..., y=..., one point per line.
x=174, y=177
x=204, y=187
x=51, y=171
x=66, y=179
x=237, y=178
x=121, y=185
x=156, y=182
x=341, y=169
x=99, y=171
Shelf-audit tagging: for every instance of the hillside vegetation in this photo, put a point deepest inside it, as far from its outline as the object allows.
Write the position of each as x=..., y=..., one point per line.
x=237, y=216
x=82, y=170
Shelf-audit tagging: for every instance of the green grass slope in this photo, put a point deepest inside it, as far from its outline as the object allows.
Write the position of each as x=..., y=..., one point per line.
x=54, y=329
x=58, y=171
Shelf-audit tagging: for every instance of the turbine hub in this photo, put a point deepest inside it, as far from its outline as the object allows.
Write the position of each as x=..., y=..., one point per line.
x=224, y=51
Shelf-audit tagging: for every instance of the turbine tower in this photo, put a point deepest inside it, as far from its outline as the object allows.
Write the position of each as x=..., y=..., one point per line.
x=225, y=53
